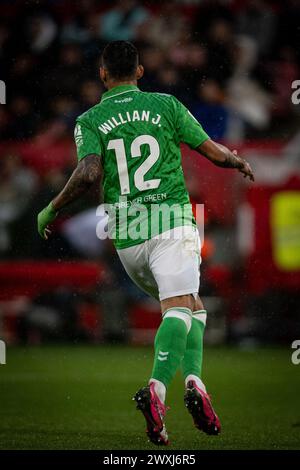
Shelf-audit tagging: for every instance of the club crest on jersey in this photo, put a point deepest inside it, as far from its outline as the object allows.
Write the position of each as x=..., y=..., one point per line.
x=129, y=116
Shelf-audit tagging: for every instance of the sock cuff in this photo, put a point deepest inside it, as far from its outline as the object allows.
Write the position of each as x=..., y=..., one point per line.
x=182, y=313
x=200, y=315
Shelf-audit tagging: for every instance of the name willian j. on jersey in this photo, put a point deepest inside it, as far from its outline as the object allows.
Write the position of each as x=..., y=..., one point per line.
x=129, y=116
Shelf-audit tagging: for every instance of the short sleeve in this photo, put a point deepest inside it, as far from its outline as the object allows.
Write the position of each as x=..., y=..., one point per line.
x=189, y=130
x=87, y=140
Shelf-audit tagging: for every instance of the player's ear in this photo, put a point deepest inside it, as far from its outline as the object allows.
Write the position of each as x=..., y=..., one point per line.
x=139, y=72
x=103, y=74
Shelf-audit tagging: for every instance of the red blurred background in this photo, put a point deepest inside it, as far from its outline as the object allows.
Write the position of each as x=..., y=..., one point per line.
x=232, y=63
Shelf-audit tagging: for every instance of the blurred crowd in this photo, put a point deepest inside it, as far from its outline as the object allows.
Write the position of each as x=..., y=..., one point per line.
x=231, y=61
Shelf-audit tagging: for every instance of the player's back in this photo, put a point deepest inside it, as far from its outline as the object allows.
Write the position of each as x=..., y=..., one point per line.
x=138, y=136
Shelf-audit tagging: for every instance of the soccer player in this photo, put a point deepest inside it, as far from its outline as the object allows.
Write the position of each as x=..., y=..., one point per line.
x=132, y=139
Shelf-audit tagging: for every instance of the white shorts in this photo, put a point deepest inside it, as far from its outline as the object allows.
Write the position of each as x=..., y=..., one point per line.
x=167, y=265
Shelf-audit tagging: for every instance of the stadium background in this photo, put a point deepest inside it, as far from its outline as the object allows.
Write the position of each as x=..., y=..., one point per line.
x=232, y=63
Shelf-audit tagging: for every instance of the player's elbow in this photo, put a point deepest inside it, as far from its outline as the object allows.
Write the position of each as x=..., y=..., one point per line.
x=214, y=152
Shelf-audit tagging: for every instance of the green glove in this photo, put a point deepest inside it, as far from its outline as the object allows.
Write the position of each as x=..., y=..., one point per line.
x=45, y=217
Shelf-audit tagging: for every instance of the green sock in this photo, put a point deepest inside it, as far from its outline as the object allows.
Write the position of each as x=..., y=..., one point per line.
x=192, y=360
x=170, y=343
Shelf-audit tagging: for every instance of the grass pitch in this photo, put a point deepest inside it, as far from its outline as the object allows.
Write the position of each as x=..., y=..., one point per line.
x=80, y=398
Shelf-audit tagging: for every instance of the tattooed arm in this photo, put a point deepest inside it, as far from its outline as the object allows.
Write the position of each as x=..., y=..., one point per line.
x=83, y=177
x=223, y=157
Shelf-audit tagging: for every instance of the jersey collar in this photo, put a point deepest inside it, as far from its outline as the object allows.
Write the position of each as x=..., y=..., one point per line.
x=118, y=90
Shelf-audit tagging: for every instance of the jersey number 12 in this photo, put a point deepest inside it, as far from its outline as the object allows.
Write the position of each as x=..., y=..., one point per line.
x=139, y=176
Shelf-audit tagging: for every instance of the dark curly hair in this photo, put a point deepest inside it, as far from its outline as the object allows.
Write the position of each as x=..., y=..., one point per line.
x=120, y=58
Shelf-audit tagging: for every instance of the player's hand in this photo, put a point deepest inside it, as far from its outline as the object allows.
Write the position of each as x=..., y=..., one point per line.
x=45, y=217
x=246, y=169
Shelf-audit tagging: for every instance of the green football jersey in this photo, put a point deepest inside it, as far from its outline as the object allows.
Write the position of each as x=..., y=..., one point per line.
x=137, y=135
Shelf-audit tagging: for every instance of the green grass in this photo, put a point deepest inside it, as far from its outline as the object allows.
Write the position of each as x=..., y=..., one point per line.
x=80, y=398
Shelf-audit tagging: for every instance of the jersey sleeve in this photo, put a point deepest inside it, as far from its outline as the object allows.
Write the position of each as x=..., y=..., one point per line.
x=188, y=129
x=86, y=139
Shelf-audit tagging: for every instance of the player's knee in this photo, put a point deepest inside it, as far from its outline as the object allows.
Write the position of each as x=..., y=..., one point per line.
x=183, y=301
x=198, y=304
